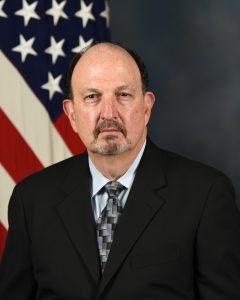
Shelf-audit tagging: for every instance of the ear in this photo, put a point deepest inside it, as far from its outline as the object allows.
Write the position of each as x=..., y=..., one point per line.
x=149, y=100
x=68, y=108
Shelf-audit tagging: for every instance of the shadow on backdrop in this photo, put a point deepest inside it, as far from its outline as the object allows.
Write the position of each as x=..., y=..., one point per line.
x=192, y=51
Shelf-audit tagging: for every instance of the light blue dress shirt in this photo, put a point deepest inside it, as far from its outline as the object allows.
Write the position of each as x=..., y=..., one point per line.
x=99, y=196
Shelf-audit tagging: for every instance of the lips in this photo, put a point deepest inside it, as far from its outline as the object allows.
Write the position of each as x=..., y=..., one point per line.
x=109, y=130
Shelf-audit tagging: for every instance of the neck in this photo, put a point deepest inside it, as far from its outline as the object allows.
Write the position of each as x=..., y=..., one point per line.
x=114, y=166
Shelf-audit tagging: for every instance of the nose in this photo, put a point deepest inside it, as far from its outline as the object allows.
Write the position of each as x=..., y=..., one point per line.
x=108, y=108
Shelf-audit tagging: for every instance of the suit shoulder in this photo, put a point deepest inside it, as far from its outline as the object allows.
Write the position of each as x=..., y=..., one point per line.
x=186, y=167
x=53, y=173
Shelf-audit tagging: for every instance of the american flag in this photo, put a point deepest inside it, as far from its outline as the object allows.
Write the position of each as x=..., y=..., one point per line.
x=37, y=41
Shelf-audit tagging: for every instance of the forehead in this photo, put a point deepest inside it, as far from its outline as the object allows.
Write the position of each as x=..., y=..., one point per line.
x=106, y=62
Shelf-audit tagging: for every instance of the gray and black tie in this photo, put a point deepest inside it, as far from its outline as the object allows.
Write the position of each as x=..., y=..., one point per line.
x=107, y=222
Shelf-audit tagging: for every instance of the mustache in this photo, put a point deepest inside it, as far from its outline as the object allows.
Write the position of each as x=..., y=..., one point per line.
x=105, y=124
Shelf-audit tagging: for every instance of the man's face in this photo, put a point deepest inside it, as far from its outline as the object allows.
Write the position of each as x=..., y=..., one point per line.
x=109, y=110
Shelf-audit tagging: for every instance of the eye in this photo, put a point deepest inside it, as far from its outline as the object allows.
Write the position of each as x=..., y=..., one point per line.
x=124, y=94
x=91, y=97
x=125, y=97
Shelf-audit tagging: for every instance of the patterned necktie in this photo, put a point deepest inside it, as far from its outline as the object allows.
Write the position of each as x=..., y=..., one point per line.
x=107, y=222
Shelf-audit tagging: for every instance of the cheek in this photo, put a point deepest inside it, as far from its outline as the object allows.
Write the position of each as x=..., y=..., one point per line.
x=85, y=122
x=139, y=115
x=135, y=120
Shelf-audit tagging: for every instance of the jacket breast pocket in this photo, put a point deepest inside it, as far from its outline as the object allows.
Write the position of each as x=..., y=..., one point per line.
x=155, y=258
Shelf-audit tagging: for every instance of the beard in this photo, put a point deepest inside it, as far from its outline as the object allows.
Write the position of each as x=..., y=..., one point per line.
x=111, y=144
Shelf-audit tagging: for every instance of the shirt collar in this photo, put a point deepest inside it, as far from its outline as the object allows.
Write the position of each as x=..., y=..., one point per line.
x=99, y=180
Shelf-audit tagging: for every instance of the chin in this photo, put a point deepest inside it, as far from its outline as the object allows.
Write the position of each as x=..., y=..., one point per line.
x=111, y=148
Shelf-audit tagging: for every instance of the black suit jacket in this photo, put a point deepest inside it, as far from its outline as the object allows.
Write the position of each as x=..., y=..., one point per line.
x=178, y=237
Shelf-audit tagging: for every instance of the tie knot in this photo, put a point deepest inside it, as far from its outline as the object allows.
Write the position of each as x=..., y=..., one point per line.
x=113, y=188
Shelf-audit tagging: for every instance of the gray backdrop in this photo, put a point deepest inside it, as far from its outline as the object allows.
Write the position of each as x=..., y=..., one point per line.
x=192, y=51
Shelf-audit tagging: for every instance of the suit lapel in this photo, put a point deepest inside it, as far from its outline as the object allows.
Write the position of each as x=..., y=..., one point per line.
x=144, y=201
x=77, y=217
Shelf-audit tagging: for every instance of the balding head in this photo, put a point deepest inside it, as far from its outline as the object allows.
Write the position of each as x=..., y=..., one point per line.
x=99, y=47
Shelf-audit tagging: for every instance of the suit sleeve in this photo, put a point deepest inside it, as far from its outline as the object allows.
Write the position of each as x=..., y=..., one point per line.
x=16, y=273
x=218, y=245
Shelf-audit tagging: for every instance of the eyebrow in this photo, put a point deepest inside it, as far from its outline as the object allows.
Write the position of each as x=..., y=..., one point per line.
x=90, y=90
x=125, y=87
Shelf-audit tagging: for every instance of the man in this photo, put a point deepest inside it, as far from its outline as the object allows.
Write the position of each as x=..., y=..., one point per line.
x=171, y=232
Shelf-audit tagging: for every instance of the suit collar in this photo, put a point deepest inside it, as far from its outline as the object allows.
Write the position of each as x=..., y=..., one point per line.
x=76, y=214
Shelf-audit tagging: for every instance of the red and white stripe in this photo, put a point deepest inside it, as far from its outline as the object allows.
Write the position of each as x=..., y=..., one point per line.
x=29, y=140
